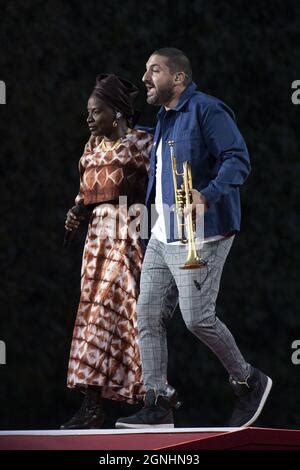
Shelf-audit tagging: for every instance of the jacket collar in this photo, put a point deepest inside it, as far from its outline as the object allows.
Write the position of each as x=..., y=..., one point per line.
x=184, y=97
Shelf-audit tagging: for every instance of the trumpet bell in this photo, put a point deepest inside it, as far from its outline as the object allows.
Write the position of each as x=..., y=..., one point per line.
x=194, y=263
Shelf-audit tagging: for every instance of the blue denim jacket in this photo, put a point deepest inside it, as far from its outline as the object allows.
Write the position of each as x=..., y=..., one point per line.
x=205, y=134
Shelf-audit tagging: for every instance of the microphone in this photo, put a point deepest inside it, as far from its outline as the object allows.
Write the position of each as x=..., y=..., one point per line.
x=80, y=211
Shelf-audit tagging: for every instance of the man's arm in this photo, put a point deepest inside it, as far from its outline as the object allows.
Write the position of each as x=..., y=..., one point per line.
x=150, y=130
x=226, y=144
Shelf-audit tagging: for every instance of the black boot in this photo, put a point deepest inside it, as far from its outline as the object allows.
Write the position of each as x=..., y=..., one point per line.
x=90, y=415
x=251, y=397
x=157, y=411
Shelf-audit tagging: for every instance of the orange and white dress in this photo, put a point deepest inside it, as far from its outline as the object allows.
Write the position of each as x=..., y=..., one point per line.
x=104, y=349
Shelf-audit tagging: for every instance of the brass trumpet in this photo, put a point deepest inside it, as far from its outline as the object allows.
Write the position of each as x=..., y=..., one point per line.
x=183, y=199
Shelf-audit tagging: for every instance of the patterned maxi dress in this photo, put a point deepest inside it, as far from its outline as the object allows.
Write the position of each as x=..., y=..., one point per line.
x=104, y=349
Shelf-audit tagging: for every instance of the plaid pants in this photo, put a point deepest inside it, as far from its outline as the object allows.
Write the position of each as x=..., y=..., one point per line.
x=163, y=284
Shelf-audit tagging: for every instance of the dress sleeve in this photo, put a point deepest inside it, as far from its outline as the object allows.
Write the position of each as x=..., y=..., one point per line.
x=79, y=199
x=147, y=151
x=88, y=148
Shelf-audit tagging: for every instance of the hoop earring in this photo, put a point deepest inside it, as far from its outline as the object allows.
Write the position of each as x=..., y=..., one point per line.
x=115, y=124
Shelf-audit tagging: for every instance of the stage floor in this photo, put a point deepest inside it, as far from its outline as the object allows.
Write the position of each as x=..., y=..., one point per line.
x=150, y=439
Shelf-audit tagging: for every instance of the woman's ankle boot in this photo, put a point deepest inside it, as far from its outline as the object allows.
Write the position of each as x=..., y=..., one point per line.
x=90, y=415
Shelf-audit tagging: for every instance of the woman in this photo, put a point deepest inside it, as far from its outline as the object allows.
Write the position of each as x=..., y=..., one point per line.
x=104, y=358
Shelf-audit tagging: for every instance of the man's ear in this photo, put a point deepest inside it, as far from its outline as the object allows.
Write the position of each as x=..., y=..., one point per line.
x=179, y=77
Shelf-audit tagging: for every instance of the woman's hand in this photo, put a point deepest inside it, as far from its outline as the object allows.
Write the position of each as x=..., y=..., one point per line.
x=72, y=222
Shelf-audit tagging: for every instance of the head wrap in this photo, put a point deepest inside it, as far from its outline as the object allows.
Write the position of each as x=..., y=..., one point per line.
x=118, y=94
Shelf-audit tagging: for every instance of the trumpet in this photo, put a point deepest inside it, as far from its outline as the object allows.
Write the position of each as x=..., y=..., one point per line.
x=183, y=199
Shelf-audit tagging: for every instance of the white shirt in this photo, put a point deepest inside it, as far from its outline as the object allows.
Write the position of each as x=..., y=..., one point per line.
x=159, y=228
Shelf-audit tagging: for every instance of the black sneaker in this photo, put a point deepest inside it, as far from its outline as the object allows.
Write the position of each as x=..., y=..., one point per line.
x=251, y=397
x=157, y=413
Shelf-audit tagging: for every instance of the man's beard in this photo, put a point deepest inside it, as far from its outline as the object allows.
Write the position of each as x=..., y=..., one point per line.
x=161, y=96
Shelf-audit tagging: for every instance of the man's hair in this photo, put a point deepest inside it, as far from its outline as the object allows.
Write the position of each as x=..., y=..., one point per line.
x=177, y=62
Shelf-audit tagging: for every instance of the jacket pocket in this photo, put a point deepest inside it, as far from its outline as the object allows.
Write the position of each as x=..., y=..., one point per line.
x=188, y=145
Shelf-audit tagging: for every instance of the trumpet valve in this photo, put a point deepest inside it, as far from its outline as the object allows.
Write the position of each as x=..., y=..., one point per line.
x=181, y=199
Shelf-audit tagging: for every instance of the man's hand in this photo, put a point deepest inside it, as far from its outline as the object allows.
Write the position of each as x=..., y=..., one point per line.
x=197, y=199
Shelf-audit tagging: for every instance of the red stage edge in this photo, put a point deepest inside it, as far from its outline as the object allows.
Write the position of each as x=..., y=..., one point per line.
x=150, y=439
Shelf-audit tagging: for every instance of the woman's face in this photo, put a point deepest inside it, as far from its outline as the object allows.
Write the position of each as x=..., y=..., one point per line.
x=100, y=117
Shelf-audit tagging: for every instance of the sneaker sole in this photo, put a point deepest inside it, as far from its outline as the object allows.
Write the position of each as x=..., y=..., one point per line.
x=142, y=426
x=261, y=405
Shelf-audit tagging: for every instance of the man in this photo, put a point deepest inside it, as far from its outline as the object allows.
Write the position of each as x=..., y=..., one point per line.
x=205, y=134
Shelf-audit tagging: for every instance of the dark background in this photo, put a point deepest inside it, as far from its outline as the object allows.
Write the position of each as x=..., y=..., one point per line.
x=245, y=53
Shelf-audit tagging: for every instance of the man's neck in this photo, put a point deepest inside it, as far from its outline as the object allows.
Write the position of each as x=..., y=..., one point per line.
x=174, y=100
